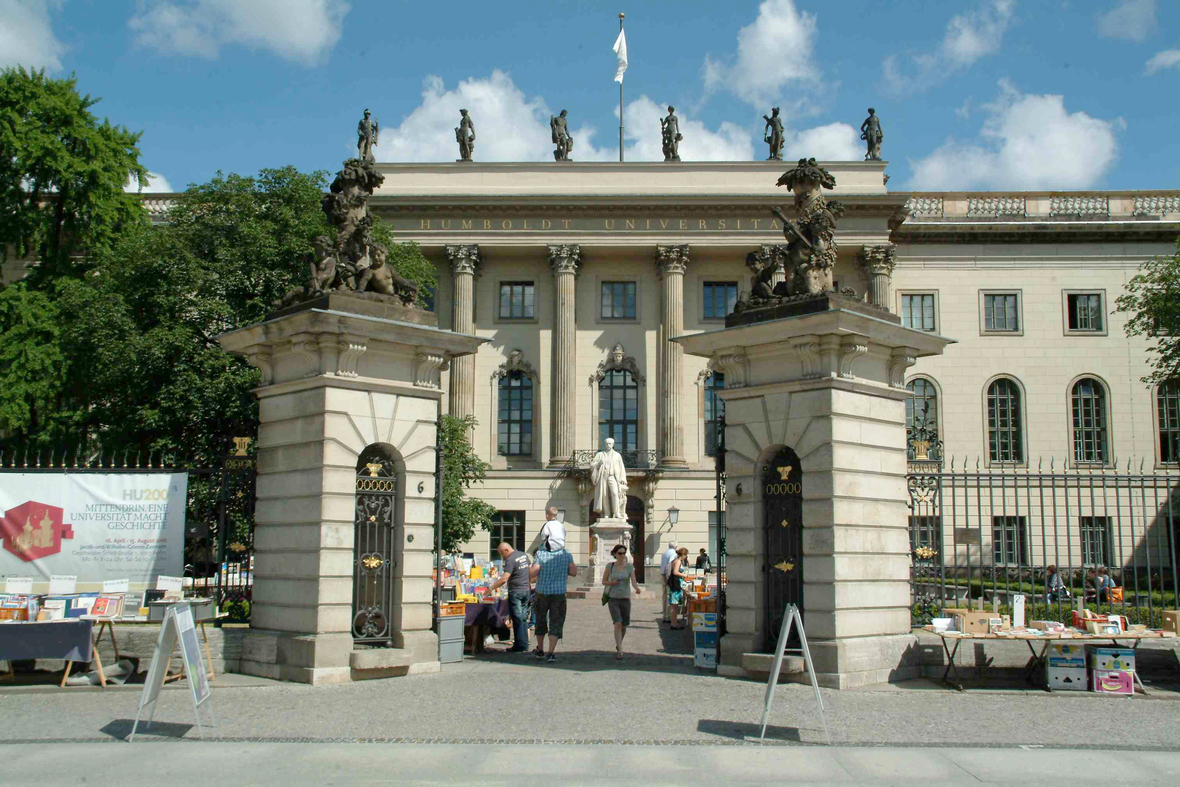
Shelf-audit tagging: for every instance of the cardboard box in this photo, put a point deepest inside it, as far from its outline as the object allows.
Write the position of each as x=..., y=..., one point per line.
x=1112, y=682
x=981, y=622
x=705, y=658
x=1066, y=678
x=1172, y=620
x=705, y=639
x=1102, y=658
x=704, y=621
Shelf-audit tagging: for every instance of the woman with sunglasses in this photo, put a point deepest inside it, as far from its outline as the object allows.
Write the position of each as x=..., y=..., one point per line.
x=619, y=577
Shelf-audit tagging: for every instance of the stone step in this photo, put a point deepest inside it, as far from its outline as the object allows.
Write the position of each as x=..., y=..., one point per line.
x=370, y=663
x=575, y=593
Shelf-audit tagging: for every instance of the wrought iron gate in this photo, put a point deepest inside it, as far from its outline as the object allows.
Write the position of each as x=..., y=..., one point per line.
x=782, y=506
x=374, y=547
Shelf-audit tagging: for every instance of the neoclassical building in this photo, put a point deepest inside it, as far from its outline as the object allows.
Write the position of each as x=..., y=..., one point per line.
x=579, y=273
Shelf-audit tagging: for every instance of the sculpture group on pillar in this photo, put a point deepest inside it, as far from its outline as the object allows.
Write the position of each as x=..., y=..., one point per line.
x=810, y=253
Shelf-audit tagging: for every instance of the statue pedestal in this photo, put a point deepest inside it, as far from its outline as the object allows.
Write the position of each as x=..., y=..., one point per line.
x=342, y=374
x=606, y=534
x=824, y=378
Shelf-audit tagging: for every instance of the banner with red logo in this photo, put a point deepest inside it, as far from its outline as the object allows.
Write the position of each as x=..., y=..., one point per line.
x=98, y=526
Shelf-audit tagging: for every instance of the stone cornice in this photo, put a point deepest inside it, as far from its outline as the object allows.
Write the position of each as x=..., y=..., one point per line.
x=993, y=231
x=677, y=207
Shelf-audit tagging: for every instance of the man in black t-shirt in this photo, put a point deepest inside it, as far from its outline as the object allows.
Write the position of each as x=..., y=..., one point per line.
x=516, y=574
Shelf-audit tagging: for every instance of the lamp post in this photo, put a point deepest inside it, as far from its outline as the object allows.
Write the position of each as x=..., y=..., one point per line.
x=673, y=515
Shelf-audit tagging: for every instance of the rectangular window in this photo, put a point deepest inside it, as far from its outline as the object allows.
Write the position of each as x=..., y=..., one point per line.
x=714, y=411
x=917, y=311
x=720, y=296
x=1009, y=541
x=1096, y=546
x=618, y=300
x=515, y=422
x=926, y=531
x=1001, y=312
x=1167, y=401
x=714, y=544
x=516, y=300
x=506, y=526
x=1084, y=311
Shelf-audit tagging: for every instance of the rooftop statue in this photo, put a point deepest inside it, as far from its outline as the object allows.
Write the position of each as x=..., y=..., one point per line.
x=561, y=137
x=670, y=132
x=773, y=135
x=366, y=138
x=870, y=132
x=465, y=136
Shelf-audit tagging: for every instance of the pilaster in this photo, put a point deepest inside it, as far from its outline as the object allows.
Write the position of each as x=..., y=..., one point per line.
x=563, y=261
x=877, y=262
x=671, y=263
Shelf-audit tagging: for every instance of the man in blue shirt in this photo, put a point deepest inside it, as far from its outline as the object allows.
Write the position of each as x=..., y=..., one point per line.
x=550, y=573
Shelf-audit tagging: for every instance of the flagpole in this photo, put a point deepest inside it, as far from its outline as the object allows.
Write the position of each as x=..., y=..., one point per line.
x=620, y=101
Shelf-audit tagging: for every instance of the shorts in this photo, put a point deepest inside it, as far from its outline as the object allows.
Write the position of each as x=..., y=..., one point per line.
x=620, y=610
x=550, y=611
x=676, y=597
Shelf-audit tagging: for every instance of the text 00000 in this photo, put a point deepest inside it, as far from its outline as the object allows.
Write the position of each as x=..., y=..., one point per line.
x=784, y=489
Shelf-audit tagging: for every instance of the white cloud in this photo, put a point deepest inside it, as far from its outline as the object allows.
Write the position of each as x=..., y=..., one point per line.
x=1026, y=142
x=964, y=111
x=510, y=126
x=303, y=31
x=155, y=184
x=968, y=38
x=773, y=51
x=1133, y=20
x=833, y=142
x=1169, y=58
x=26, y=37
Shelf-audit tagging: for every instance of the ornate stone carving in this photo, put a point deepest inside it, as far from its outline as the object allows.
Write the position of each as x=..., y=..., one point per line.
x=808, y=352
x=901, y=359
x=351, y=350
x=618, y=360
x=997, y=206
x=707, y=372
x=306, y=347
x=672, y=259
x=878, y=259
x=565, y=258
x=850, y=350
x=262, y=359
x=870, y=132
x=925, y=207
x=1079, y=206
x=515, y=363
x=1155, y=205
x=735, y=367
x=426, y=368
x=464, y=259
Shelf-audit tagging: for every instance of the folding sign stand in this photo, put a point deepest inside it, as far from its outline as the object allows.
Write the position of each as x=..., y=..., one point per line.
x=791, y=617
x=178, y=625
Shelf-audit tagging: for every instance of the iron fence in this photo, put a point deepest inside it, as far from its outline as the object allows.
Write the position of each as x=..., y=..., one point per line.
x=219, y=510
x=992, y=534
x=633, y=458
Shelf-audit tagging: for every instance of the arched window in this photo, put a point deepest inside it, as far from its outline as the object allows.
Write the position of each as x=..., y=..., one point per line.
x=515, y=420
x=618, y=409
x=714, y=410
x=1088, y=405
x=1167, y=401
x=921, y=420
x=1005, y=438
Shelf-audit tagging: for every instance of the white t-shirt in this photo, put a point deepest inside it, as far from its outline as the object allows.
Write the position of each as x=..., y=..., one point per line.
x=666, y=560
x=554, y=531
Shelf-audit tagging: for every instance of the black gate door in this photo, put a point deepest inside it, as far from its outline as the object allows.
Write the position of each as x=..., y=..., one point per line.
x=782, y=506
x=373, y=548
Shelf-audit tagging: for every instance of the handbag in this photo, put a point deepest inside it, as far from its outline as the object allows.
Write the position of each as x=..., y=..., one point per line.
x=606, y=588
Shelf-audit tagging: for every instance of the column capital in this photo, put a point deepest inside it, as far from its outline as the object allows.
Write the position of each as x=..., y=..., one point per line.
x=565, y=258
x=672, y=259
x=878, y=259
x=770, y=255
x=464, y=259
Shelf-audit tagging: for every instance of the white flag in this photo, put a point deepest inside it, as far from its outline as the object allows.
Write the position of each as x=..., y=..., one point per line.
x=621, y=51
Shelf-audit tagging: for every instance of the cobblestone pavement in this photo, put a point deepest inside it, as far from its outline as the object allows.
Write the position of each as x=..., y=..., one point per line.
x=653, y=697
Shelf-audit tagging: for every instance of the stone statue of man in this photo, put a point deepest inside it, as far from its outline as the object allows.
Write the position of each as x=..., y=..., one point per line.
x=670, y=131
x=366, y=138
x=561, y=137
x=610, y=482
x=870, y=132
x=465, y=136
x=773, y=135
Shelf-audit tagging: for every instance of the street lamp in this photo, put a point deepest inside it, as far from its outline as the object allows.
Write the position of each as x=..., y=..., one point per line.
x=673, y=515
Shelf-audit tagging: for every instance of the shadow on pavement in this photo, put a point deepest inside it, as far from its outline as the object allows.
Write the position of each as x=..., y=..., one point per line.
x=120, y=729
x=741, y=731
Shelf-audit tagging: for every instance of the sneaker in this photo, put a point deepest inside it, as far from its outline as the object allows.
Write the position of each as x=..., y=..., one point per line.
x=551, y=659
x=540, y=654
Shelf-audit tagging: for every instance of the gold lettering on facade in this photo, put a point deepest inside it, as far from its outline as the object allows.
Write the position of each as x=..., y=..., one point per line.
x=663, y=224
x=755, y=222
x=424, y=224
x=526, y=225
x=648, y=224
x=720, y=224
x=466, y=224
x=739, y=224
x=446, y=223
x=702, y=224
x=565, y=224
x=684, y=224
x=545, y=224
x=610, y=223
x=774, y=224
x=629, y=224
x=487, y=224
x=506, y=224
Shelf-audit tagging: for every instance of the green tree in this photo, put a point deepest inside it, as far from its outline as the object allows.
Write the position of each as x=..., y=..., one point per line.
x=32, y=364
x=62, y=173
x=461, y=467
x=1152, y=298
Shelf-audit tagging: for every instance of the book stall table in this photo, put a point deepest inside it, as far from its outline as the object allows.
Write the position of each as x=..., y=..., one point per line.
x=71, y=640
x=483, y=616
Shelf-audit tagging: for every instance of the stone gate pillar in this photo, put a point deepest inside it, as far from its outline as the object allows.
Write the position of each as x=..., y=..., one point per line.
x=824, y=377
x=341, y=373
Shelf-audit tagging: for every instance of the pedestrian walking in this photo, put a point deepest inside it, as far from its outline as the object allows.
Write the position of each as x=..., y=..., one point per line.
x=619, y=578
x=676, y=577
x=551, y=571
x=516, y=576
x=665, y=561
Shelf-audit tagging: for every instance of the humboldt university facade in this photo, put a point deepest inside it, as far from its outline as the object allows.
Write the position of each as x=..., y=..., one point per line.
x=579, y=274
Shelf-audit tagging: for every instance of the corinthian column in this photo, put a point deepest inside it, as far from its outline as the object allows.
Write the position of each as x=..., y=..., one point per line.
x=564, y=262
x=671, y=262
x=464, y=261
x=878, y=262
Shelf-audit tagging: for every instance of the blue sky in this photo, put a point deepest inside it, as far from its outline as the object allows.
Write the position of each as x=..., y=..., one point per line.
x=979, y=94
